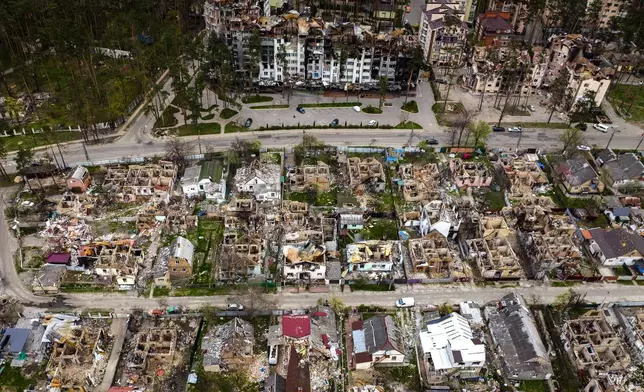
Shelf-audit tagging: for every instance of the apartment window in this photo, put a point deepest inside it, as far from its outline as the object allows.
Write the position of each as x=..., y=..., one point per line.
x=585, y=84
x=174, y=270
x=393, y=358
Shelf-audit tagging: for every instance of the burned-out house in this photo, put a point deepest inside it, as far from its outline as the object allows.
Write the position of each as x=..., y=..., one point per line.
x=470, y=173
x=137, y=183
x=366, y=175
x=434, y=256
x=242, y=256
x=309, y=177
x=419, y=182
x=374, y=260
x=228, y=346
x=492, y=250
x=523, y=176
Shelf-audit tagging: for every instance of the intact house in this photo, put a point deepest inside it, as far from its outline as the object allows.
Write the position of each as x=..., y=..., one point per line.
x=228, y=346
x=376, y=342
x=79, y=179
x=623, y=170
x=615, y=247
x=516, y=338
x=174, y=262
x=448, y=344
x=207, y=179
x=263, y=180
x=578, y=176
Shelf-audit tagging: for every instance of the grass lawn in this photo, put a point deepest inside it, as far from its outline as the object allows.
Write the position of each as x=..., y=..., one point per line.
x=552, y=125
x=626, y=282
x=12, y=379
x=408, y=125
x=227, y=113
x=12, y=143
x=316, y=198
x=380, y=229
x=411, y=107
x=331, y=105
x=257, y=99
x=199, y=129
x=201, y=291
x=284, y=106
x=372, y=110
x=167, y=118
x=208, y=116
x=494, y=200
x=533, y=386
x=233, y=127
x=633, y=96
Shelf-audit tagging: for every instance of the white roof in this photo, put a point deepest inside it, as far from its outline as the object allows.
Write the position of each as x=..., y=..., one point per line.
x=191, y=175
x=183, y=248
x=449, y=341
x=79, y=173
x=471, y=312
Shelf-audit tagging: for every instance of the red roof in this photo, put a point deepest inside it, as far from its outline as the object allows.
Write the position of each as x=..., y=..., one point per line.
x=319, y=314
x=356, y=325
x=363, y=357
x=58, y=258
x=325, y=340
x=296, y=326
x=587, y=235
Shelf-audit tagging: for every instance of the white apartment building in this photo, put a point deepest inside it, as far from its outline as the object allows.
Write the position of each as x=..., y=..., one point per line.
x=443, y=32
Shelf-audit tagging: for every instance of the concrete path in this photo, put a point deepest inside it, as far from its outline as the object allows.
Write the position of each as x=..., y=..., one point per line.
x=119, y=328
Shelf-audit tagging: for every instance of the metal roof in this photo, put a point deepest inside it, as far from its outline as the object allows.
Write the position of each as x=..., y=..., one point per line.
x=14, y=339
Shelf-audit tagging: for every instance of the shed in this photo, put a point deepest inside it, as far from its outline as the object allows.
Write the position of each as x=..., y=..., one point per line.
x=59, y=258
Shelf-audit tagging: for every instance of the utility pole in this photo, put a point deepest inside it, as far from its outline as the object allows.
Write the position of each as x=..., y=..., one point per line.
x=85, y=149
x=611, y=138
x=638, y=144
x=519, y=141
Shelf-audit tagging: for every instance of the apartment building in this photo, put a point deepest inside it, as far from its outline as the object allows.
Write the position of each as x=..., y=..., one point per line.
x=443, y=33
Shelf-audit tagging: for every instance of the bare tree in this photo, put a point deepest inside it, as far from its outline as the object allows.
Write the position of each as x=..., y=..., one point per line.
x=571, y=138
x=242, y=149
x=255, y=300
x=176, y=151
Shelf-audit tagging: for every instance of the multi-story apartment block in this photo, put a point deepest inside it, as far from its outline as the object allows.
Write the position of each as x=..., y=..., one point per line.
x=610, y=9
x=443, y=33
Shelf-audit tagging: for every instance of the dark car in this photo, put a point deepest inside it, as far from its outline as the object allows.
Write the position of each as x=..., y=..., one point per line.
x=301, y=109
x=335, y=122
x=497, y=128
x=431, y=141
x=248, y=122
x=581, y=126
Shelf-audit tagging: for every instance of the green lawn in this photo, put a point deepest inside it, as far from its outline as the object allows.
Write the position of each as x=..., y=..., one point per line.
x=12, y=143
x=533, y=386
x=330, y=105
x=626, y=96
x=257, y=99
x=167, y=118
x=411, y=107
x=12, y=379
x=233, y=127
x=494, y=200
x=199, y=129
x=284, y=106
x=380, y=229
x=408, y=125
x=227, y=113
x=372, y=110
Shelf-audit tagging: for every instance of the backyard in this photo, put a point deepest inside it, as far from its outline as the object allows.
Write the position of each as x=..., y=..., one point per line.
x=630, y=99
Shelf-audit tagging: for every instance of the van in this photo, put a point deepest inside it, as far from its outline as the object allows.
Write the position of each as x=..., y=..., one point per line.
x=405, y=302
x=601, y=127
x=272, y=355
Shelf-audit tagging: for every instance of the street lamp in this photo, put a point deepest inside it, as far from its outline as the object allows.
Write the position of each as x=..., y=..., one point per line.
x=638, y=144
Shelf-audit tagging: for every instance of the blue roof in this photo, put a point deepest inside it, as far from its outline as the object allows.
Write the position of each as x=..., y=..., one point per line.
x=622, y=211
x=359, y=344
x=15, y=338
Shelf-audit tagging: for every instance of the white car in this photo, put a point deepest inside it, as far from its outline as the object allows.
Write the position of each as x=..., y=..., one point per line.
x=583, y=148
x=405, y=302
x=356, y=108
x=601, y=127
x=372, y=123
x=235, y=307
x=532, y=108
x=515, y=129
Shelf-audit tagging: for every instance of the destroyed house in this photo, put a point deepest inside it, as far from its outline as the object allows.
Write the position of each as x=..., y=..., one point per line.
x=373, y=258
x=470, y=173
x=597, y=348
x=366, y=175
x=376, y=342
x=263, y=180
x=142, y=182
x=76, y=204
x=298, y=377
x=154, y=349
x=493, y=252
x=516, y=338
x=523, y=176
x=433, y=256
x=306, y=177
x=228, y=346
x=119, y=259
x=419, y=183
x=304, y=262
x=241, y=257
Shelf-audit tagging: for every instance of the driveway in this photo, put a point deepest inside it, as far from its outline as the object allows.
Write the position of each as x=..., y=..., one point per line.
x=119, y=328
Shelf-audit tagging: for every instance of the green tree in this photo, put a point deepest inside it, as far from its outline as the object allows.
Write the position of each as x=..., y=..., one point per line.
x=382, y=90
x=569, y=300
x=416, y=64
x=479, y=132
x=24, y=159
x=3, y=156
x=13, y=108
x=253, y=46
x=587, y=102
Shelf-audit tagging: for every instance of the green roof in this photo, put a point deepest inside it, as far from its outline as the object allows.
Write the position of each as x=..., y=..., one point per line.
x=211, y=169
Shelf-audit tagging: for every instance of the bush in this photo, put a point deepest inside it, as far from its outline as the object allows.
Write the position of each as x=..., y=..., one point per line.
x=227, y=113
x=411, y=107
x=256, y=99
x=167, y=118
x=208, y=116
x=284, y=106
x=372, y=110
x=408, y=125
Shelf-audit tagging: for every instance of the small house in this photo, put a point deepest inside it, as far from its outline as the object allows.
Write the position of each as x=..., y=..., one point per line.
x=79, y=180
x=181, y=255
x=375, y=342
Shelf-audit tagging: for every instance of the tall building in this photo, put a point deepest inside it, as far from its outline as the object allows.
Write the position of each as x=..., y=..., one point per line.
x=443, y=32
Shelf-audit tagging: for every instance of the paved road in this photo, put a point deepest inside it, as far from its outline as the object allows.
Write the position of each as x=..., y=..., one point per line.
x=424, y=295
x=118, y=330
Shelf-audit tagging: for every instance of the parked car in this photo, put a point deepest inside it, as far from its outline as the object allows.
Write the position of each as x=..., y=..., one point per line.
x=300, y=109
x=248, y=123
x=515, y=129
x=372, y=123
x=407, y=302
x=497, y=128
x=601, y=127
x=581, y=147
x=335, y=122
x=235, y=306
x=357, y=108
x=581, y=126
x=431, y=141
x=272, y=354
x=532, y=108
